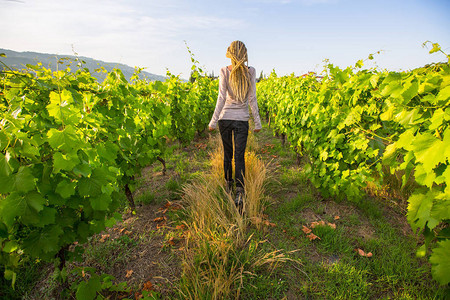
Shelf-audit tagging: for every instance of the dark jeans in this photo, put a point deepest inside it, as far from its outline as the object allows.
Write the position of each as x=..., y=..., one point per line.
x=240, y=130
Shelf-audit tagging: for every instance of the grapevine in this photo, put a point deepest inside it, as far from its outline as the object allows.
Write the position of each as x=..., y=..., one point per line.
x=355, y=123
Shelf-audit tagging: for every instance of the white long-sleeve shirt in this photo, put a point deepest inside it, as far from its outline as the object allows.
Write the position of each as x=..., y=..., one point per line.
x=228, y=108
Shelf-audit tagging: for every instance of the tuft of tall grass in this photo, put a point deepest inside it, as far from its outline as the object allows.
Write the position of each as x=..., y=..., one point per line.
x=219, y=255
x=255, y=180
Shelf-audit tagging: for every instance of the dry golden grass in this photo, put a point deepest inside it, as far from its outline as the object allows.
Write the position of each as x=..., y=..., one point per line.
x=218, y=253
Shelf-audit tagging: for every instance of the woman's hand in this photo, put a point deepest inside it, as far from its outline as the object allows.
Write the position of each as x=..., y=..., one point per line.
x=210, y=128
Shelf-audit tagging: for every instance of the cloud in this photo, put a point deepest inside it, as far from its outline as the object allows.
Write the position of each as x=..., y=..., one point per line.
x=302, y=2
x=17, y=1
x=133, y=32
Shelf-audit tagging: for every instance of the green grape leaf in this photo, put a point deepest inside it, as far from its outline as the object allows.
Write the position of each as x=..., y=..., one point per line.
x=393, y=89
x=11, y=275
x=423, y=177
x=4, y=230
x=428, y=150
x=422, y=251
x=89, y=187
x=388, y=115
x=6, y=184
x=108, y=151
x=419, y=210
x=405, y=139
x=374, y=80
x=389, y=153
x=446, y=141
x=410, y=90
x=24, y=180
x=408, y=117
x=66, y=188
x=10, y=246
x=436, y=48
x=44, y=243
x=30, y=150
x=87, y=290
x=111, y=221
x=61, y=107
x=47, y=216
x=101, y=202
x=66, y=139
x=12, y=206
x=83, y=231
x=64, y=162
x=83, y=169
x=5, y=168
x=35, y=200
x=437, y=119
x=441, y=207
x=444, y=94
x=440, y=261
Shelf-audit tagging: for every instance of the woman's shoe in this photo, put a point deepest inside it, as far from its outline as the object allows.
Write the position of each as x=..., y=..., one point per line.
x=239, y=200
x=229, y=187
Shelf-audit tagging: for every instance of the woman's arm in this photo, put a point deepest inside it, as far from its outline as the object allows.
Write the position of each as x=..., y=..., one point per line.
x=220, y=99
x=253, y=101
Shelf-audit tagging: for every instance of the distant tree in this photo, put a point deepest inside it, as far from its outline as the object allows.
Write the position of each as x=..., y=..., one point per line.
x=261, y=77
x=212, y=76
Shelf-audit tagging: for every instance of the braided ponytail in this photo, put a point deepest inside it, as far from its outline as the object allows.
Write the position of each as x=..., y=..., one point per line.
x=239, y=77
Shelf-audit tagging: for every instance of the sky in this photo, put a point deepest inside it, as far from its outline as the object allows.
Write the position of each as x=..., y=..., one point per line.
x=288, y=36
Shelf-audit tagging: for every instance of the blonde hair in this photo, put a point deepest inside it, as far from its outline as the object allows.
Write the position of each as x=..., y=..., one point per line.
x=239, y=77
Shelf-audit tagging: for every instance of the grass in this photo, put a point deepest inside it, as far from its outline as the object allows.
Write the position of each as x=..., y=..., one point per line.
x=106, y=255
x=145, y=198
x=27, y=277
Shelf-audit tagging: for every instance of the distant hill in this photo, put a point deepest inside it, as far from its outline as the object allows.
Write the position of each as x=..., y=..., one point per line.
x=19, y=60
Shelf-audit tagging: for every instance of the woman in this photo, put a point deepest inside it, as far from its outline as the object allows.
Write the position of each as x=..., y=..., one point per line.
x=237, y=90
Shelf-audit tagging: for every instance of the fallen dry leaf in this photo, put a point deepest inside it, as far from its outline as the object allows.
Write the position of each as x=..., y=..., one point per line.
x=257, y=220
x=312, y=236
x=332, y=225
x=138, y=296
x=320, y=223
x=159, y=219
x=171, y=241
x=129, y=272
x=176, y=207
x=284, y=230
x=182, y=226
x=170, y=205
x=104, y=237
x=201, y=146
x=148, y=286
x=362, y=253
x=267, y=223
x=306, y=230
x=336, y=217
